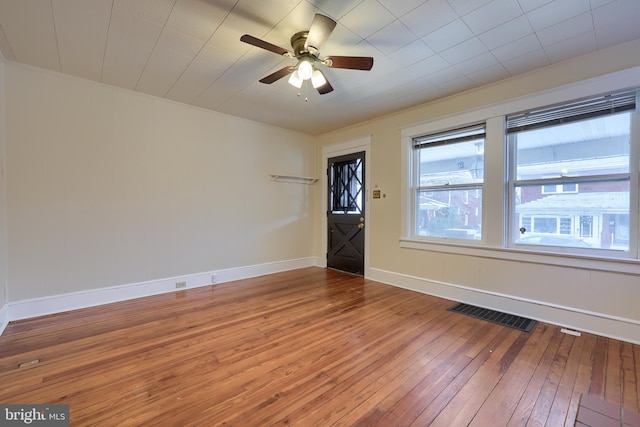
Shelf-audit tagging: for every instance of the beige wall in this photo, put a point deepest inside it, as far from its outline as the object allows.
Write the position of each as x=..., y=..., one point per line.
x=451, y=274
x=109, y=187
x=3, y=199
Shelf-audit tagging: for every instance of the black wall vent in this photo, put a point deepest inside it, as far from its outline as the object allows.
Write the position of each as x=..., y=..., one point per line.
x=510, y=320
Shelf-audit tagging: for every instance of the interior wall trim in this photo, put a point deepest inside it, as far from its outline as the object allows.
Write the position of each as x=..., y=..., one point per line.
x=4, y=317
x=26, y=309
x=623, y=329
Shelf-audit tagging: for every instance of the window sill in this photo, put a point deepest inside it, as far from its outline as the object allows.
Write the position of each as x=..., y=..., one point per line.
x=589, y=262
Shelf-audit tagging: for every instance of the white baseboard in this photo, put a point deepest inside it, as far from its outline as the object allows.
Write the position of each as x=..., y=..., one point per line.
x=4, y=317
x=581, y=320
x=59, y=303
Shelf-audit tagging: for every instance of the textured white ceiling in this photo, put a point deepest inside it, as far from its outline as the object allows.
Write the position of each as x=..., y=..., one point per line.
x=190, y=50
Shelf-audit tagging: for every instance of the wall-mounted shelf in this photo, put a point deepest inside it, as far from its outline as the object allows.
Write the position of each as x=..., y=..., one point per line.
x=295, y=179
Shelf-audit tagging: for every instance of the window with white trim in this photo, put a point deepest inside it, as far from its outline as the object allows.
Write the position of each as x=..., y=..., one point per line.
x=448, y=175
x=569, y=174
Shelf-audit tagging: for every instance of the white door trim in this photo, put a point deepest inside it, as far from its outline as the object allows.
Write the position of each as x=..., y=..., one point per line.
x=334, y=150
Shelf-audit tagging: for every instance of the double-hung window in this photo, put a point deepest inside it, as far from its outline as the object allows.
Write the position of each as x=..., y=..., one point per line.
x=448, y=175
x=569, y=174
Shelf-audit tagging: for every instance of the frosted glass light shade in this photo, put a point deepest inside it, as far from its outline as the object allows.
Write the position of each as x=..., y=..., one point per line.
x=305, y=69
x=295, y=80
x=317, y=79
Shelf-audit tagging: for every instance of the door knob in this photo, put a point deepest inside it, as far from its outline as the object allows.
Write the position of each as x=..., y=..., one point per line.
x=361, y=226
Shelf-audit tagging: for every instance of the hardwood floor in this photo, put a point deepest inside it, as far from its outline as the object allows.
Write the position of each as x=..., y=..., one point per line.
x=309, y=347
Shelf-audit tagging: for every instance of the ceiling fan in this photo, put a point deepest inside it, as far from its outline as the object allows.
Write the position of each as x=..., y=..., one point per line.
x=306, y=49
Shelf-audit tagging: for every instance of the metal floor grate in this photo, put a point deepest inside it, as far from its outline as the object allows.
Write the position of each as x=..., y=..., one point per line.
x=510, y=320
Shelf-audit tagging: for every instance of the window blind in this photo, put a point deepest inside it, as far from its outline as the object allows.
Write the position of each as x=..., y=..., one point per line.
x=578, y=110
x=469, y=133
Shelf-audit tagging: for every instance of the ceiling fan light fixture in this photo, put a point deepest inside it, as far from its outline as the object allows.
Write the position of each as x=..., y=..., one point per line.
x=306, y=49
x=318, y=79
x=295, y=79
x=305, y=69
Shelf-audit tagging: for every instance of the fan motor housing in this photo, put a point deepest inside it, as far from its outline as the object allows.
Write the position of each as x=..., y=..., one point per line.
x=298, y=41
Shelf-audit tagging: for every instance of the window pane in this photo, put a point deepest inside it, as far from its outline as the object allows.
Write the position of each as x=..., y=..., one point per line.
x=586, y=222
x=585, y=148
x=450, y=213
x=545, y=225
x=346, y=189
x=596, y=217
x=565, y=206
x=458, y=163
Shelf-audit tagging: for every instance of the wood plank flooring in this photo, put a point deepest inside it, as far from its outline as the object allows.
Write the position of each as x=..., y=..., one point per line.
x=309, y=347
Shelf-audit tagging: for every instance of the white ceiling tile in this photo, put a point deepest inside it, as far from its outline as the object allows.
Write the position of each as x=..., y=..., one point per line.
x=572, y=47
x=428, y=66
x=517, y=48
x=616, y=11
x=206, y=68
x=171, y=55
x=448, y=36
x=82, y=29
x=597, y=3
x=529, y=5
x=367, y=18
x=229, y=84
x=399, y=8
x=619, y=32
x=198, y=19
x=298, y=19
x=134, y=29
x=392, y=37
x=28, y=28
x=526, y=63
x=506, y=33
x=462, y=7
x=492, y=15
x=261, y=12
x=448, y=79
x=342, y=42
x=463, y=51
x=555, y=12
x=459, y=84
x=336, y=9
x=489, y=75
x=438, y=78
x=429, y=17
x=252, y=17
x=412, y=53
x=480, y=62
x=566, y=29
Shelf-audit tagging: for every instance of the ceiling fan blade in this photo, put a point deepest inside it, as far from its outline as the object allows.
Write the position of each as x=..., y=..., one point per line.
x=325, y=88
x=350, y=62
x=265, y=45
x=273, y=77
x=320, y=30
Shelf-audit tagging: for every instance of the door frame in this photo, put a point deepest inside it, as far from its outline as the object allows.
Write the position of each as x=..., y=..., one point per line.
x=335, y=150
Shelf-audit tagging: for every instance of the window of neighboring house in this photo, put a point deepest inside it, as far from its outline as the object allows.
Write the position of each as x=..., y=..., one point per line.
x=447, y=181
x=586, y=225
x=560, y=188
x=569, y=174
